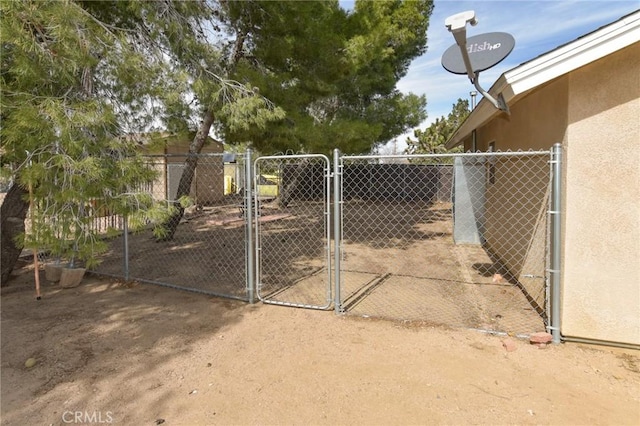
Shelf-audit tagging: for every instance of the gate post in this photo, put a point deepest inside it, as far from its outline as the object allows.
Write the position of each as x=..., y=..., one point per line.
x=337, y=227
x=249, y=248
x=556, y=240
x=125, y=240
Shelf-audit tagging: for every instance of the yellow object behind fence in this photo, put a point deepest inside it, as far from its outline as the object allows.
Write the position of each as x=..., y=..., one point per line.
x=229, y=185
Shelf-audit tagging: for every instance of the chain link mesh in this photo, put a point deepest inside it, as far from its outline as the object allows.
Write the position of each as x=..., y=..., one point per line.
x=292, y=230
x=208, y=251
x=459, y=240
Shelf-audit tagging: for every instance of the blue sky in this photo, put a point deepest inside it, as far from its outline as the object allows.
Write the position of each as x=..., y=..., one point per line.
x=537, y=26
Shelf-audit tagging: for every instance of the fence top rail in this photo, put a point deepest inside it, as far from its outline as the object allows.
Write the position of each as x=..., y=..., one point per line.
x=186, y=154
x=294, y=156
x=449, y=155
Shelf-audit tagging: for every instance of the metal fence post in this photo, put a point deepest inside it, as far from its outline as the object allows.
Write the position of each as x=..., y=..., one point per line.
x=556, y=240
x=125, y=230
x=337, y=224
x=248, y=209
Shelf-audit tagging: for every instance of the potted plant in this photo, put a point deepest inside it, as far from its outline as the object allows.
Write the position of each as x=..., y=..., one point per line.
x=60, y=230
x=66, y=193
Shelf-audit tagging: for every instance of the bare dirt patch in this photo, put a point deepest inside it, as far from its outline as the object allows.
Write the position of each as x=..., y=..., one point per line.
x=136, y=354
x=398, y=262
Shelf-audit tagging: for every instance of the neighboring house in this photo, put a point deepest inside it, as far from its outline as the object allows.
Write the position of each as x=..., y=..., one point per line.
x=586, y=96
x=168, y=152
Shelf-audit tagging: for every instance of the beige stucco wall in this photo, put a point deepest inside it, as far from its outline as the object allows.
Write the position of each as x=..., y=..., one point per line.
x=601, y=274
x=537, y=121
x=515, y=219
x=182, y=147
x=595, y=112
x=208, y=186
x=517, y=200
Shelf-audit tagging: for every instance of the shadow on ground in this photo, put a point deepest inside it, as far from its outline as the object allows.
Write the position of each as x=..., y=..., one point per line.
x=99, y=332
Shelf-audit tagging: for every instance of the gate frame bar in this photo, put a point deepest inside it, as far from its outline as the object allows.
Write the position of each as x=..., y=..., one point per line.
x=337, y=228
x=250, y=271
x=255, y=209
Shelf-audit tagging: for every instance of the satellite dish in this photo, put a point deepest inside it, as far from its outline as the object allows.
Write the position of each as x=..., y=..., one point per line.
x=476, y=54
x=484, y=50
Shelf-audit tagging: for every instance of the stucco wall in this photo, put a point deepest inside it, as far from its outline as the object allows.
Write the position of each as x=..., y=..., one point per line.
x=537, y=121
x=208, y=185
x=601, y=274
x=182, y=147
x=517, y=199
x=515, y=219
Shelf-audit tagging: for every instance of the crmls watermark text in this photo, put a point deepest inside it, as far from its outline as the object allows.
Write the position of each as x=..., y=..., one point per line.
x=480, y=47
x=87, y=417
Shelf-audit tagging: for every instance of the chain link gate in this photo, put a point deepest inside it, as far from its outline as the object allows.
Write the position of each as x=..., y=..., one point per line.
x=292, y=223
x=458, y=240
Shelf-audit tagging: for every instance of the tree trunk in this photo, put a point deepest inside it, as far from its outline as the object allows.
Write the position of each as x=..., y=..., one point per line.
x=12, y=215
x=290, y=184
x=184, y=186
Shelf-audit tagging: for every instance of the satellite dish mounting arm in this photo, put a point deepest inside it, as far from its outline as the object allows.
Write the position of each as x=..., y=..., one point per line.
x=457, y=25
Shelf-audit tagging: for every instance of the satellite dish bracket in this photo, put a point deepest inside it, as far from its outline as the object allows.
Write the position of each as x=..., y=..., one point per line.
x=498, y=103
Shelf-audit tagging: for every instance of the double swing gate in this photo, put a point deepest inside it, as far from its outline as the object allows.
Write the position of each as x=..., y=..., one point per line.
x=455, y=239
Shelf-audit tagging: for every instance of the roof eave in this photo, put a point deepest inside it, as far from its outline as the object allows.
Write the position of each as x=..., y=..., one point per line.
x=482, y=113
x=514, y=83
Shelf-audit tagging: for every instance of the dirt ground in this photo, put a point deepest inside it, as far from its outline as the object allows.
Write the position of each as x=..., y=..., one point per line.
x=398, y=262
x=138, y=354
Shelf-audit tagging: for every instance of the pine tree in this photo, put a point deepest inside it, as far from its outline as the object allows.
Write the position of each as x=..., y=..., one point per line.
x=334, y=72
x=64, y=114
x=78, y=75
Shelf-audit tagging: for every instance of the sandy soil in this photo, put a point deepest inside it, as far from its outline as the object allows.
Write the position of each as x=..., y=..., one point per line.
x=398, y=262
x=137, y=354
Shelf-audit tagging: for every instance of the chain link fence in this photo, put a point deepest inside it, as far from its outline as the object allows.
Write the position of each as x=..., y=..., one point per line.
x=208, y=252
x=460, y=240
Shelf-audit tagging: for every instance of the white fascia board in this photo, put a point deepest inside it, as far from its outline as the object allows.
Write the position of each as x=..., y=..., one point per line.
x=547, y=67
x=574, y=55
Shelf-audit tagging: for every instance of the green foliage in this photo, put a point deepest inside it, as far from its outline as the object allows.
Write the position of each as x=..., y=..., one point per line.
x=433, y=139
x=334, y=73
x=63, y=118
x=248, y=111
x=78, y=76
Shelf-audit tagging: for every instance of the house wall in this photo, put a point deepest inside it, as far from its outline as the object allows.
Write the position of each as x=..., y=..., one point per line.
x=595, y=112
x=601, y=274
x=181, y=147
x=517, y=200
x=515, y=219
x=209, y=182
x=537, y=121
x=208, y=185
